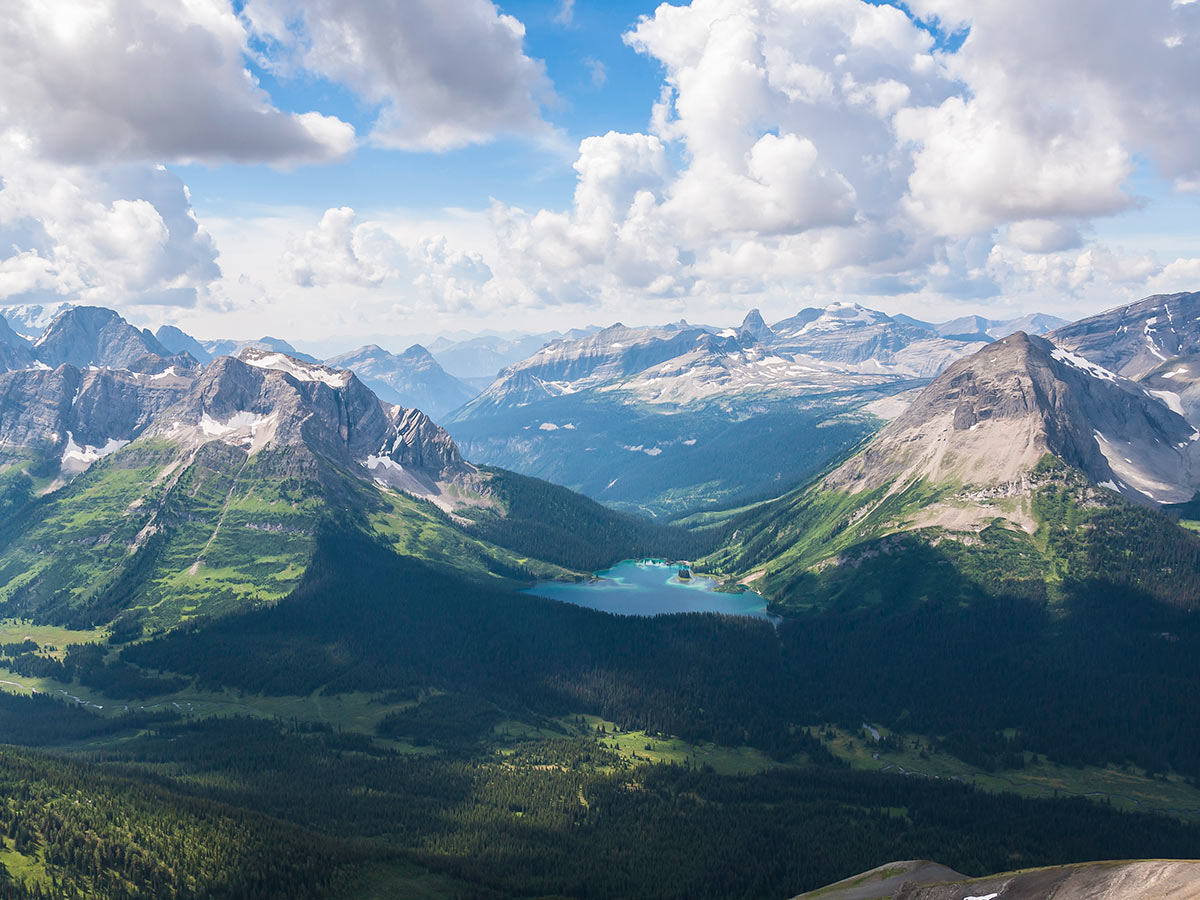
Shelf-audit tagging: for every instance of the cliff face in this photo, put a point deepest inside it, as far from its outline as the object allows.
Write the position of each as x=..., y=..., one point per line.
x=63, y=412
x=1135, y=340
x=262, y=399
x=85, y=336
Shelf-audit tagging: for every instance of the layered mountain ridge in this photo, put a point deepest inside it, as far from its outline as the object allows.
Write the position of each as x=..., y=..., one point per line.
x=412, y=378
x=989, y=419
x=979, y=467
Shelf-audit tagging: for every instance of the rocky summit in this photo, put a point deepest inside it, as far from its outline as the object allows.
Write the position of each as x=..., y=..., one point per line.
x=413, y=378
x=989, y=419
x=94, y=336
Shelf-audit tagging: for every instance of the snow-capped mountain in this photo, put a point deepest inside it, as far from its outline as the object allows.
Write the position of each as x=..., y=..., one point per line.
x=31, y=319
x=261, y=400
x=601, y=360
x=1137, y=339
x=412, y=378
x=842, y=347
x=1002, y=477
x=867, y=341
x=483, y=356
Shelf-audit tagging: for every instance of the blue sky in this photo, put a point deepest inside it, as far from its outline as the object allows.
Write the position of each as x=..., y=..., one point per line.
x=515, y=169
x=393, y=168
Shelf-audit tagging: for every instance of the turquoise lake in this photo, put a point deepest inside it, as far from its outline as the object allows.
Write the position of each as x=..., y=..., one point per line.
x=644, y=588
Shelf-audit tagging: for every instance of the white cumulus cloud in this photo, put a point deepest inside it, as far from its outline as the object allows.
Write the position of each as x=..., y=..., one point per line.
x=126, y=80
x=443, y=73
x=111, y=234
x=828, y=147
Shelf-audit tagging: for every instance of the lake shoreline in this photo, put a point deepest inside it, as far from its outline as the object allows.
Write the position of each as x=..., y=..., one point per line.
x=652, y=586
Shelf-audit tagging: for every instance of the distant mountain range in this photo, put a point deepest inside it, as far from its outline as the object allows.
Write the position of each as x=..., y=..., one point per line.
x=662, y=418
x=974, y=460
x=412, y=378
x=982, y=547
x=653, y=419
x=482, y=356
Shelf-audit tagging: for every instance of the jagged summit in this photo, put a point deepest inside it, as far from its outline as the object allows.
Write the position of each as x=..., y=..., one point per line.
x=754, y=326
x=84, y=336
x=412, y=378
x=988, y=419
x=260, y=401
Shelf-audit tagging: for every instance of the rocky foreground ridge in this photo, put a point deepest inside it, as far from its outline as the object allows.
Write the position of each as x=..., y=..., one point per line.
x=1156, y=879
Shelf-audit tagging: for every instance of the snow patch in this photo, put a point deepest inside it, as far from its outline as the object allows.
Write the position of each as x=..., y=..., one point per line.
x=298, y=370
x=1079, y=362
x=690, y=442
x=1140, y=475
x=1170, y=399
x=383, y=462
x=983, y=897
x=237, y=422
x=76, y=458
x=247, y=430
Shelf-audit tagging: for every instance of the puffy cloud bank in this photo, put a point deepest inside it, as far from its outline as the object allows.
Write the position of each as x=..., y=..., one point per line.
x=99, y=95
x=827, y=147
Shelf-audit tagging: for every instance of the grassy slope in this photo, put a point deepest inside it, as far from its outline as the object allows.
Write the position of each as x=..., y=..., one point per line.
x=169, y=539
x=141, y=531
x=818, y=549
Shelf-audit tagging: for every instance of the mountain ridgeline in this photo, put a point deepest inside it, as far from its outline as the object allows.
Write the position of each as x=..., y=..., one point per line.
x=1024, y=464
x=192, y=492
x=269, y=614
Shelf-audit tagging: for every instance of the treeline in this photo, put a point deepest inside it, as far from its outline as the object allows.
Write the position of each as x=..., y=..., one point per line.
x=86, y=663
x=552, y=523
x=569, y=818
x=1107, y=675
x=365, y=619
x=40, y=720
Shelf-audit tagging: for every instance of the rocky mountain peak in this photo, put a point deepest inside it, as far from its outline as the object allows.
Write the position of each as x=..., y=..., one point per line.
x=85, y=336
x=754, y=326
x=1135, y=340
x=411, y=379
x=262, y=400
x=15, y=351
x=178, y=341
x=989, y=419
